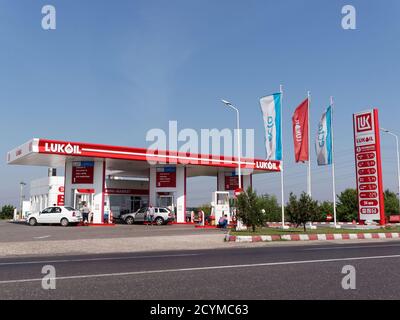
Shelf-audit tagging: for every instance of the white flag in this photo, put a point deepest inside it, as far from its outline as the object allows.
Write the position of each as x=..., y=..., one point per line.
x=323, y=142
x=271, y=110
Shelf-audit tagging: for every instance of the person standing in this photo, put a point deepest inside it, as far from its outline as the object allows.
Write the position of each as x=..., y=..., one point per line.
x=150, y=215
x=85, y=212
x=202, y=217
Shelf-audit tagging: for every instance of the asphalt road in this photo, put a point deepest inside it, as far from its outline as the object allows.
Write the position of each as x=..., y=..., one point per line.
x=14, y=232
x=289, y=272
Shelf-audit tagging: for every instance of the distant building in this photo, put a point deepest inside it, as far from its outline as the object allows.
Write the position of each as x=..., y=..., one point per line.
x=45, y=192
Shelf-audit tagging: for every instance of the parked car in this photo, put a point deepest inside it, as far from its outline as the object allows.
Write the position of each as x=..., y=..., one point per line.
x=161, y=216
x=55, y=215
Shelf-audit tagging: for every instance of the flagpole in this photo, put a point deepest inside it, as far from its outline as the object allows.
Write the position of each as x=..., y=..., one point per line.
x=309, y=147
x=282, y=186
x=333, y=167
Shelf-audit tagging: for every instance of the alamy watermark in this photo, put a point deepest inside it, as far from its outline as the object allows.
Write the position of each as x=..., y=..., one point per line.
x=49, y=280
x=49, y=19
x=349, y=280
x=349, y=20
x=197, y=146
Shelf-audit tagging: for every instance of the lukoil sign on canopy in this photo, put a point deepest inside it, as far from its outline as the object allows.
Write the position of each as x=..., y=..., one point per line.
x=267, y=165
x=62, y=148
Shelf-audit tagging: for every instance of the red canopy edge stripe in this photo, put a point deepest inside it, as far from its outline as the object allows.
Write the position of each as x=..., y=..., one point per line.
x=163, y=156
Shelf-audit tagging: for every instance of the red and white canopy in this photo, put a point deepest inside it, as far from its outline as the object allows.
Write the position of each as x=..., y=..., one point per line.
x=54, y=153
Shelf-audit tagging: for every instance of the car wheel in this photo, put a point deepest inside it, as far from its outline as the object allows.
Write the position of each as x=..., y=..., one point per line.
x=129, y=220
x=32, y=222
x=64, y=222
x=159, y=221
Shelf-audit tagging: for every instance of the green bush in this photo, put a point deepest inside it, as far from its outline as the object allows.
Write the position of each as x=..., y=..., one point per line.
x=391, y=203
x=7, y=212
x=302, y=210
x=347, y=205
x=249, y=209
x=271, y=206
x=324, y=208
x=206, y=208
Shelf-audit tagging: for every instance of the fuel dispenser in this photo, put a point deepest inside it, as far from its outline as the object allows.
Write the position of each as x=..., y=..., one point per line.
x=220, y=205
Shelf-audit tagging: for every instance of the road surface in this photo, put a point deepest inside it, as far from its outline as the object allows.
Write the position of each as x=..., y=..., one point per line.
x=284, y=272
x=19, y=232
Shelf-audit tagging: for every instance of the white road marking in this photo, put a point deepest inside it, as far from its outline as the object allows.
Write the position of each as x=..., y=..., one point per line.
x=95, y=259
x=268, y=264
x=43, y=237
x=351, y=247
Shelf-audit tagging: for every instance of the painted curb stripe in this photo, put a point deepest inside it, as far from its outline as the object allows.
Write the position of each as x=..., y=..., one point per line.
x=312, y=237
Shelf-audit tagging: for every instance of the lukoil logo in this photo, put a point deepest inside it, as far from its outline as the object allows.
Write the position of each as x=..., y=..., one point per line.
x=298, y=133
x=62, y=148
x=270, y=127
x=364, y=122
x=266, y=165
x=321, y=136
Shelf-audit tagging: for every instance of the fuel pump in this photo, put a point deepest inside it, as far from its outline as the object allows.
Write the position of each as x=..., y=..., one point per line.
x=220, y=205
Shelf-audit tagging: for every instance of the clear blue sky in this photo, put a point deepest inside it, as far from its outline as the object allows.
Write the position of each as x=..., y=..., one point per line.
x=115, y=69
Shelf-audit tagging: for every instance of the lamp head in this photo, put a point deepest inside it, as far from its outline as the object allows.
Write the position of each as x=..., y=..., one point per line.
x=226, y=102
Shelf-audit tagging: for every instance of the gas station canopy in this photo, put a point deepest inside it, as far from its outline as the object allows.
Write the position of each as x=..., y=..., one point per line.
x=91, y=169
x=130, y=161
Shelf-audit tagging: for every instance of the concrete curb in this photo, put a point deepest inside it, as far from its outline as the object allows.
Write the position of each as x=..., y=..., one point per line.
x=278, y=224
x=313, y=237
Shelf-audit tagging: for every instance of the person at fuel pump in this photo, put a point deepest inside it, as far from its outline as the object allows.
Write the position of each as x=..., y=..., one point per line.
x=150, y=215
x=200, y=215
x=223, y=221
x=85, y=212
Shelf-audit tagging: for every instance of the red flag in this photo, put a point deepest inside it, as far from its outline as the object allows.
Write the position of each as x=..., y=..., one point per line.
x=300, y=132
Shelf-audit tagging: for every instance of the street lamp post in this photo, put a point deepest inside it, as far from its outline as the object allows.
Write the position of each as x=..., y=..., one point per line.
x=239, y=151
x=21, y=184
x=398, y=158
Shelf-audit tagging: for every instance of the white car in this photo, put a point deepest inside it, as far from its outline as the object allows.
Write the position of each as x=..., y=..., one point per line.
x=55, y=215
x=161, y=216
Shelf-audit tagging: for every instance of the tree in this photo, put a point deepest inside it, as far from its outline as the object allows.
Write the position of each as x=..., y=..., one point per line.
x=249, y=209
x=271, y=206
x=7, y=212
x=391, y=203
x=302, y=210
x=347, y=205
x=324, y=208
x=206, y=208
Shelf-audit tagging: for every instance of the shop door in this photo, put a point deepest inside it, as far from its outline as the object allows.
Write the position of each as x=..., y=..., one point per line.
x=136, y=204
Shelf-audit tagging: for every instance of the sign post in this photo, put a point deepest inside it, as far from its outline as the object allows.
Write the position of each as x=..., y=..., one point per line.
x=368, y=166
